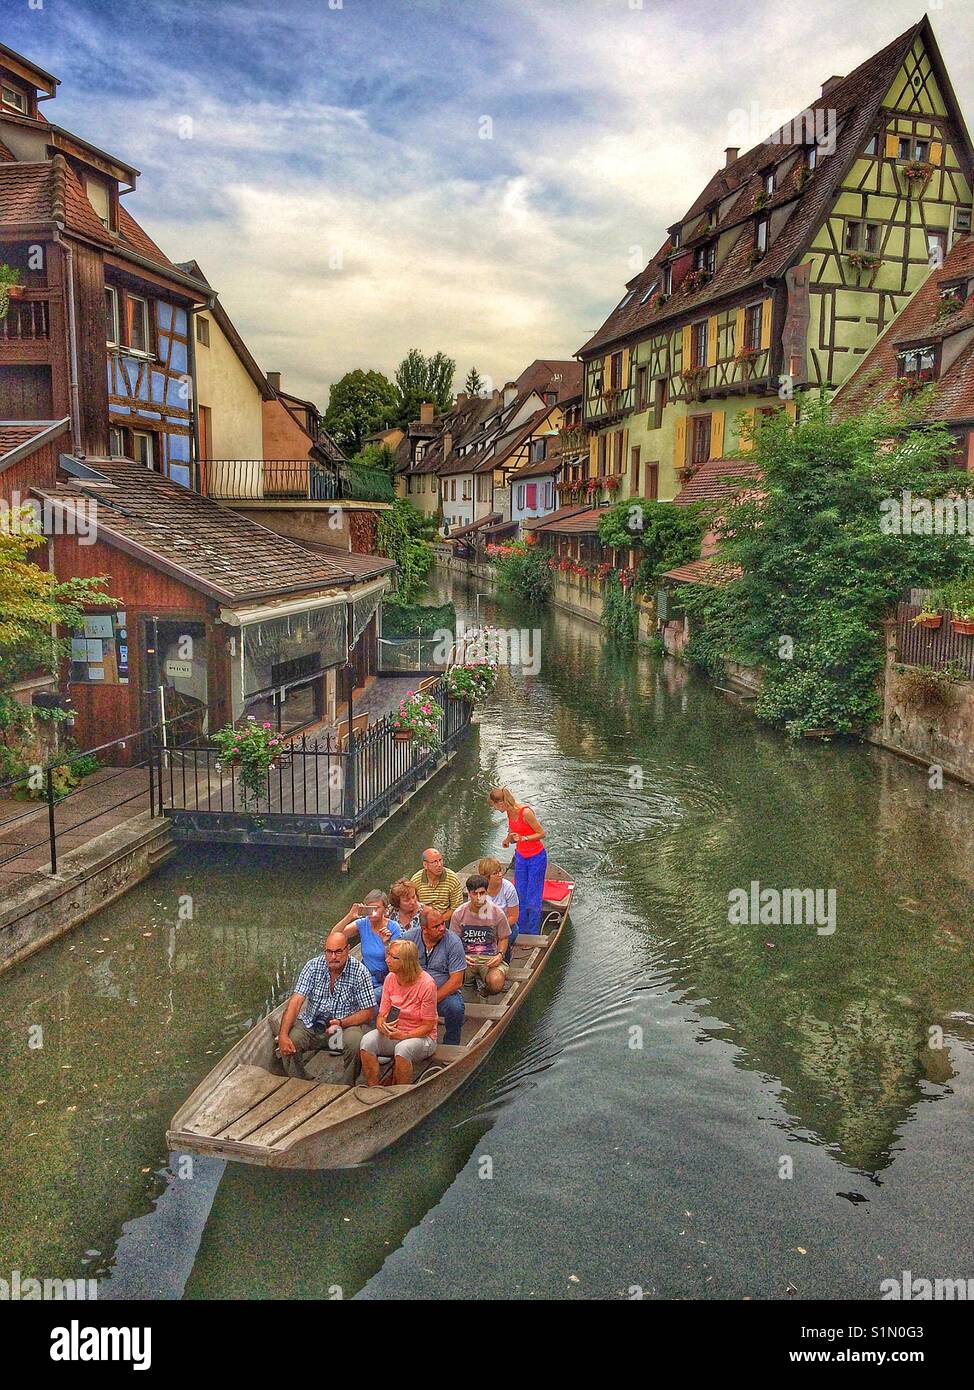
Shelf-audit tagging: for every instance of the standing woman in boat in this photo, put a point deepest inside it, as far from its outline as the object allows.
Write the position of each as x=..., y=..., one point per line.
x=524, y=832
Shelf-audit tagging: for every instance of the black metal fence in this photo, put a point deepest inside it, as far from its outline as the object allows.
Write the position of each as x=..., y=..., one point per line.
x=244, y=480
x=319, y=791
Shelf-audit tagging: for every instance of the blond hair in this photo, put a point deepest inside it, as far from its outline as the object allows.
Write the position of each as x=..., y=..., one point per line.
x=401, y=889
x=409, y=968
x=503, y=795
x=490, y=866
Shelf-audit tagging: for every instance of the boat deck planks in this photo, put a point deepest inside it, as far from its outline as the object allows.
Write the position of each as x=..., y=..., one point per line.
x=277, y=1101
x=309, y=1105
x=244, y=1088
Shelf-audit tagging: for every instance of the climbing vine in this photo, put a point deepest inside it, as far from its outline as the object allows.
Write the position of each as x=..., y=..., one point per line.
x=403, y=534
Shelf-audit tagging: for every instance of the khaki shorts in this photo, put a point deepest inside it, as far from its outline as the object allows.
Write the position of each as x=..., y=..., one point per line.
x=479, y=971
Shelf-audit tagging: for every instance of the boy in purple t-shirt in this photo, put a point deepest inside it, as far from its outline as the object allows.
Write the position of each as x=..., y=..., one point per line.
x=483, y=928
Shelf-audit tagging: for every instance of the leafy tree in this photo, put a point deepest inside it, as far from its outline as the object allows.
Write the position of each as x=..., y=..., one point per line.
x=474, y=383
x=666, y=535
x=403, y=534
x=359, y=403
x=523, y=570
x=820, y=566
x=420, y=379
x=378, y=456
x=32, y=600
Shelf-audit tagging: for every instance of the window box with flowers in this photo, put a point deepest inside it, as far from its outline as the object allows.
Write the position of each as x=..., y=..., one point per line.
x=917, y=172
x=910, y=383
x=949, y=305
x=746, y=357
x=612, y=482
x=864, y=260
x=693, y=379
x=804, y=177
x=593, y=485
x=695, y=280
x=929, y=618
x=417, y=717
x=255, y=750
x=657, y=302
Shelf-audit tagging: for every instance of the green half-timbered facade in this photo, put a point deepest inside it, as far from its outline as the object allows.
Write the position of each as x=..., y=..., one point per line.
x=780, y=277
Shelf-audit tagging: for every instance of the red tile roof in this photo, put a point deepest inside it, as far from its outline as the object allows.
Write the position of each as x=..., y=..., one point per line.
x=18, y=438
x=560, y=514
x=953, y=398
x=717, y=479
x=132, y=235
x=856, y=100
x=704, y=572
x=580, y=523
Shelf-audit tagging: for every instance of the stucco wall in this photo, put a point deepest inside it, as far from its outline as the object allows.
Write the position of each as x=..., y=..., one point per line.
x=937, y=735
x=223, y=385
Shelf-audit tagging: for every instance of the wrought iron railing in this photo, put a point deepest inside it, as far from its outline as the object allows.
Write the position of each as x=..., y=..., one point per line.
x=274, y=480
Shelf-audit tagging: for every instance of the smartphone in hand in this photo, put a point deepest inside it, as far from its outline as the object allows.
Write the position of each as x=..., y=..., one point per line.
x=392, y=1016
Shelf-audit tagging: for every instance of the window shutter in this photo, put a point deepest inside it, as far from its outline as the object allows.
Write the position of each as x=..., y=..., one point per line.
x=717, y=434
x=687, y=348
x=624, y=451
x=593, y=455
x=711, y=341
x=745, y=442
x=936, y=151
x=625, y=368
x=738, y=330
x=892, y=145
x=766, y=324
x=680, y=442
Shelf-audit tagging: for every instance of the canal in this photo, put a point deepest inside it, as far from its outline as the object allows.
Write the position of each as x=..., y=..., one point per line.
x=686, y=1107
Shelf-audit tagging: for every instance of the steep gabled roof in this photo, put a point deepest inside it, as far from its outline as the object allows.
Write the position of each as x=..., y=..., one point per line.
x=953, y=398
x=856, y=101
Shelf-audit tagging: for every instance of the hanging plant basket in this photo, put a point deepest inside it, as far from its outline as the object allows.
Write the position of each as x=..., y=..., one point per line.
x=403, y=735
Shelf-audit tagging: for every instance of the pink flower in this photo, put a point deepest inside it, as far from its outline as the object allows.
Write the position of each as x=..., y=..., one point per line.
x=266, y=725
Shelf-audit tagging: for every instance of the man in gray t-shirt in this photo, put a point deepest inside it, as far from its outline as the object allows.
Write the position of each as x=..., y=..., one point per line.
x=483, y=929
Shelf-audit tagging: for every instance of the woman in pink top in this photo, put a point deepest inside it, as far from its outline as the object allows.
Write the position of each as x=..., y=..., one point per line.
x=406, y=1026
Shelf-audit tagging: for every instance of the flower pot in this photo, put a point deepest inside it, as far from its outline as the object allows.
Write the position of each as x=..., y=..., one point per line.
x=932, y=623
x=402, y=735
x=963, y=626
x=16, y=291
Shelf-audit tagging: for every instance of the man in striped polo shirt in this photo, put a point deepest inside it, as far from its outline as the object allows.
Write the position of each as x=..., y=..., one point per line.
x=437, y=888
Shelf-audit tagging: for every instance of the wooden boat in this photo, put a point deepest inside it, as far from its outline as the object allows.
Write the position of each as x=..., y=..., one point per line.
x=247, y=1109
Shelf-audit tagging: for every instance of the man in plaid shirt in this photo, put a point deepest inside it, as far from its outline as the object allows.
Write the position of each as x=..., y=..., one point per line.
x=332, y=1001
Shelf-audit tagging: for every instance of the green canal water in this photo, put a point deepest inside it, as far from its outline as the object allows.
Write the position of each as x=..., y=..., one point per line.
x=687, y=1107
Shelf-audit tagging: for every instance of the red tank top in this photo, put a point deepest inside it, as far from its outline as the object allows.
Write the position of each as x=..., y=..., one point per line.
x=519, y=826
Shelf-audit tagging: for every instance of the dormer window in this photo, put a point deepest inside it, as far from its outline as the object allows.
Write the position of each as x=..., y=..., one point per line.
x=13, y=99
x=675, y=239
x=918, y=362
x=761, y=236
x=705, y=258
x=769, y=183
x=626, y=298
x=648, y=292
x=99, y=194
x=667, y=279
x=811, y=157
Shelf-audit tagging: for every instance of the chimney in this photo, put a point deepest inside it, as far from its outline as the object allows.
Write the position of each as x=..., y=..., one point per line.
x=831, y=82
x=510, y=393
x=447, y=444
x=496, y=396
x=461, y=399
x=273, y=380
x=730, y=154
x=426, y=413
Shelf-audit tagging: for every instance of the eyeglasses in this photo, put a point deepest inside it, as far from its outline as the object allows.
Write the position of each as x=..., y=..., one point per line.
x=335, y=950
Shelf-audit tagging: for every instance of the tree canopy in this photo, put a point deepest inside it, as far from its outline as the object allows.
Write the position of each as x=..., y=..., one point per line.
x=820, y=570
x=359, y=403
x=419, y=379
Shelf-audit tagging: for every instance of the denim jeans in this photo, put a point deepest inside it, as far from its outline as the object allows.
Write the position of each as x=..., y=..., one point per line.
x=451, y=1011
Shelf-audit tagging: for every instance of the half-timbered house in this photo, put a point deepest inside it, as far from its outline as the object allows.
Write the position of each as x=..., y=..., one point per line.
x=783, y=272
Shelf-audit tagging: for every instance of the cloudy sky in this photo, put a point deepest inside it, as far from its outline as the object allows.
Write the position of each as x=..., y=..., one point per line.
x=358, y=177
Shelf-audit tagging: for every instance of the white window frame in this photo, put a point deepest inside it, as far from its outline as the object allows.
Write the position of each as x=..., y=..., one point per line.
x=116, y=340
x=141, y=351
x=150, y=451
x=19, y=104
x=762, y=234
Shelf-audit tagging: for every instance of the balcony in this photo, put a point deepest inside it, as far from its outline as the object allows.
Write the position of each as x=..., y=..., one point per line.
x=292, y=480
x=26, y=330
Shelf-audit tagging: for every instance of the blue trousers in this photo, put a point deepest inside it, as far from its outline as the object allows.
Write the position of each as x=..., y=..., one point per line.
x=529, y=881
x=451, y=1011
